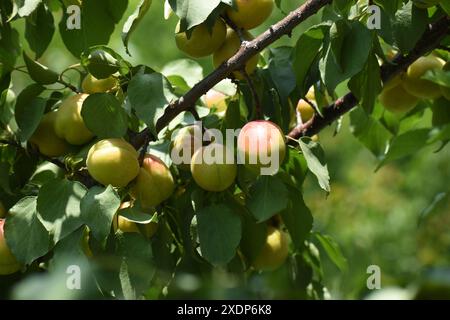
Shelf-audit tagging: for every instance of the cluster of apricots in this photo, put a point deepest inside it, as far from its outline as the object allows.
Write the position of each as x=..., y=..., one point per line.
x=403, y=93
x=214, y=38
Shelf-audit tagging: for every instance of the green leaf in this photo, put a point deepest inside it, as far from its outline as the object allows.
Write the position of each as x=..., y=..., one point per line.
x=98, y=20
x=254, y=237
x=70, y=249
x=366, y=85
x=138, y=215
x=234, y=117
x=306, y=51
x=315, y=158
x=295, y=167
x=29, y=110
x=356, y=45
x=333, y=251
x=59, y=206
x=219, y=231
x=9, y=49
x=268, y=196
x=39, y=30
x=133, y=20
x=282, y=71
x=369, y=131
x=408, y=26
x=98, y=208
x=45, y=172
x=297, y=218
x=26, y=7
x=38, y=72
x=100, y=63
x=390, y=6
x=193, y=12
x=104, y=116
x=191, y=71
x=25, y=234
x=137, y=267
x=445, y=5
x=441, y=77
x=406, y=144
x=149, y=94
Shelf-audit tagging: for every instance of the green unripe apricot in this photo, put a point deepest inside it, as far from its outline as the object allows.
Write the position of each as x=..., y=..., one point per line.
x=213, y=175
x=216, y=99
x=92, y=85
x=421, y=88
x=304, y=108
x=45, y=138
x=202, y=41
x=8, y=263
x=154, y=184
x=69, y=124
x=397, y=99
x=189, y=140
x=113, y=162
x=274, y=252
x=250, y=13
x=229, y=48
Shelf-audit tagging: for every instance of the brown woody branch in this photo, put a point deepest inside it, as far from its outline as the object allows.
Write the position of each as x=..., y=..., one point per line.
x=238, y=61
x=430, y=40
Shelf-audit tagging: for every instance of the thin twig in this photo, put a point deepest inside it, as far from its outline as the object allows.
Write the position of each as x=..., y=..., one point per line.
x=256, y=100
x=232, y=25
x=195, y=114
x=144, y=150
x=10, y=143
x=67, y=85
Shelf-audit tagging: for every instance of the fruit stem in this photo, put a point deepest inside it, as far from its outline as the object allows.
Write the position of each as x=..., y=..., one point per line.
x=233, y=26
x=67, y=84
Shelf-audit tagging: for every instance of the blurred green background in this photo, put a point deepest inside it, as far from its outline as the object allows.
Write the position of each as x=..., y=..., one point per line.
x=374, y=217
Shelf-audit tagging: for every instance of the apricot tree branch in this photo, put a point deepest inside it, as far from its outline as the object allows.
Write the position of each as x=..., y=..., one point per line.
x=238, y=61
x=430, y=40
